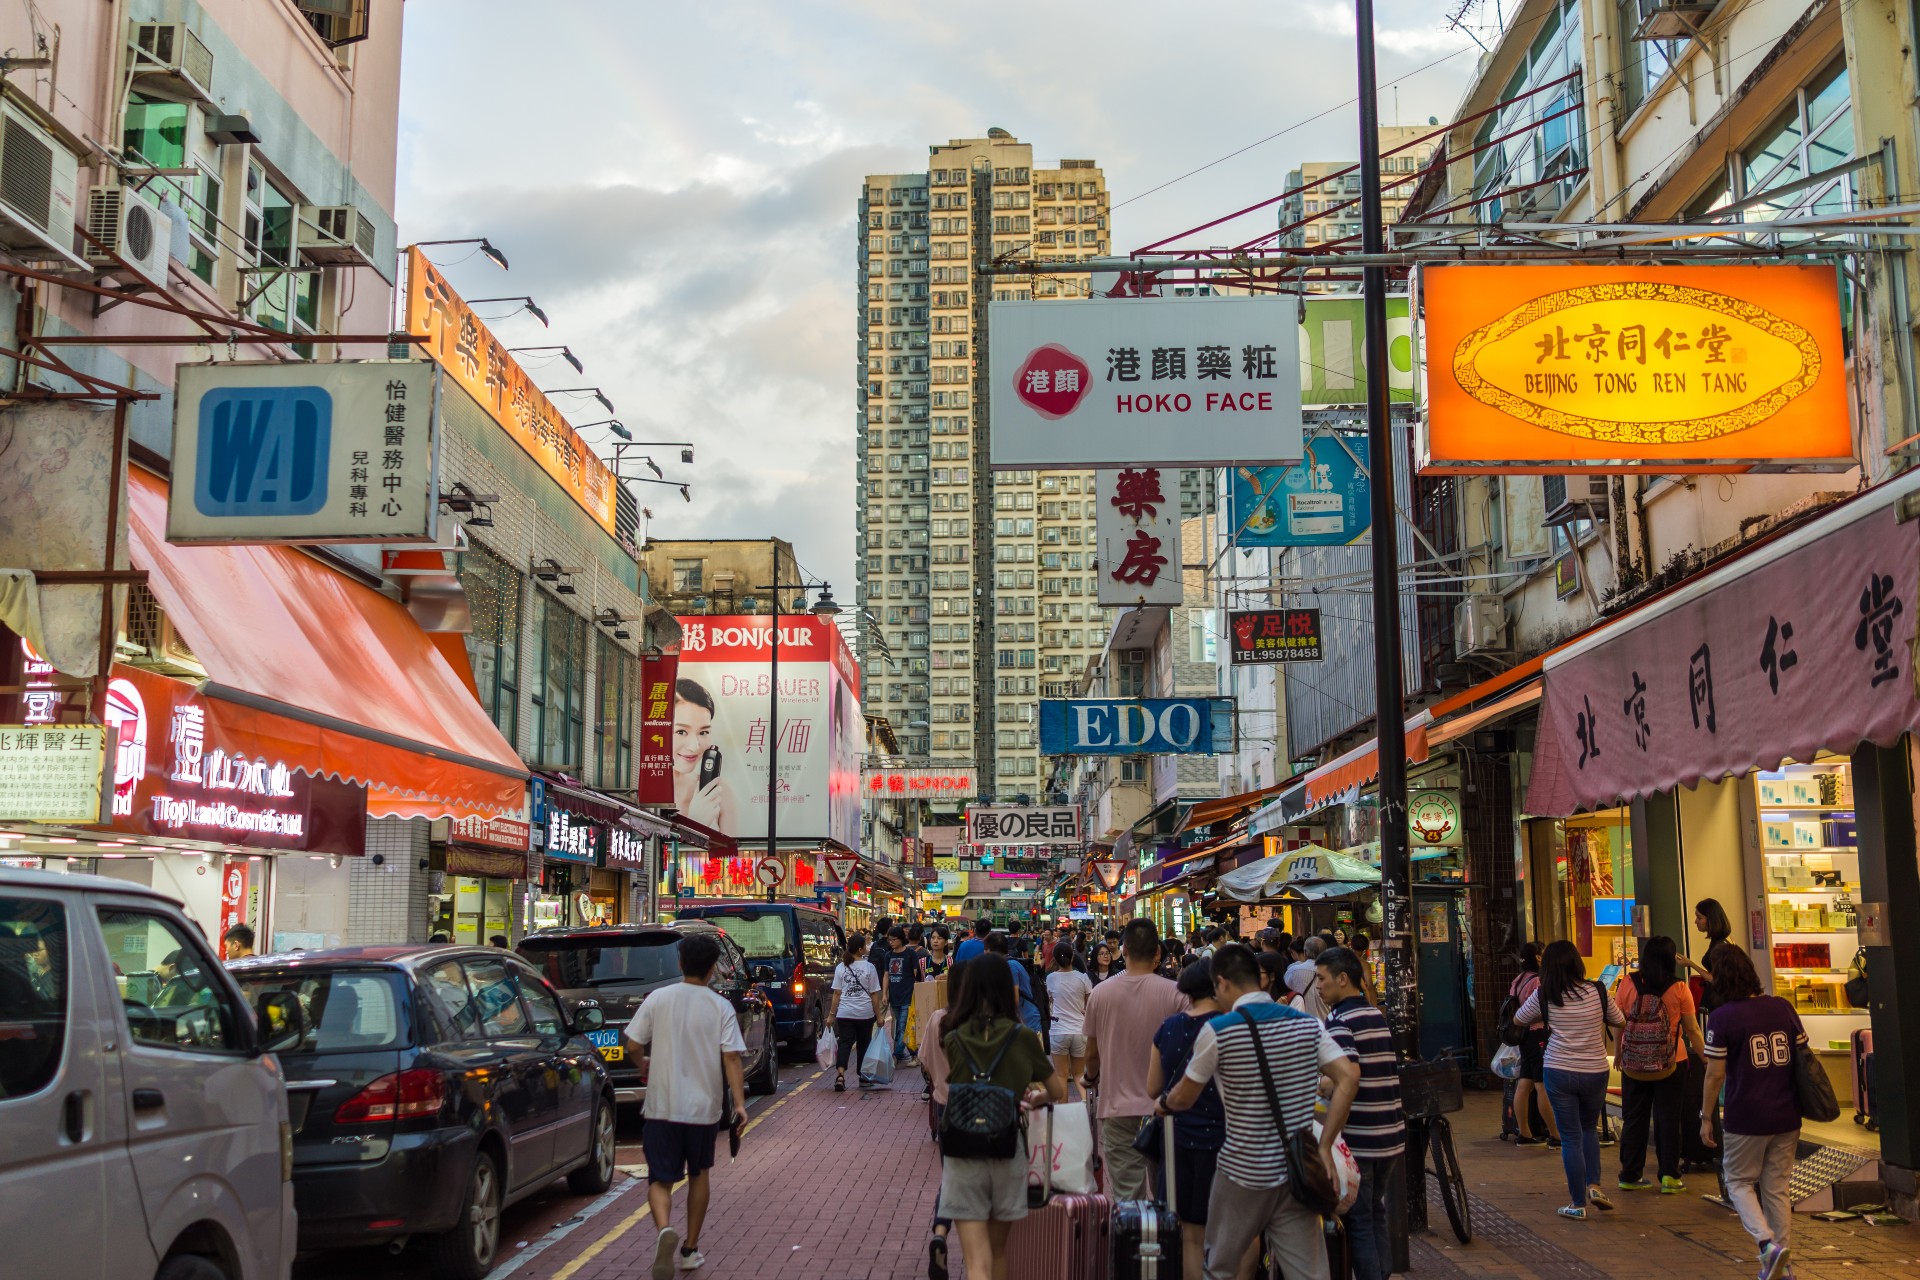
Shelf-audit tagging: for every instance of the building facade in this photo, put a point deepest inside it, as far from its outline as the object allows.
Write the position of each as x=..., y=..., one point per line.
x=1322, y=209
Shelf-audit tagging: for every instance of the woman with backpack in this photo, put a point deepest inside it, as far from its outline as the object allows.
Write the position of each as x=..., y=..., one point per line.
x=996, y=1070
x=933, y=1061
x=1577, y=1013
x=1659, y=1029
x=1533, y=1066
x=856, y=1004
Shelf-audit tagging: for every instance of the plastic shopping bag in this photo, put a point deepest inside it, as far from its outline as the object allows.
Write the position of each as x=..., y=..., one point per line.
x=826, y=1049
x=877, y=1066
x=1062, y=1146
x=1346, y=1169
x=1506, y=1062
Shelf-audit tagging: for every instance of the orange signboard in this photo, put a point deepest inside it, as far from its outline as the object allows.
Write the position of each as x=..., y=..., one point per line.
x=461, y=343
x=1649, y=369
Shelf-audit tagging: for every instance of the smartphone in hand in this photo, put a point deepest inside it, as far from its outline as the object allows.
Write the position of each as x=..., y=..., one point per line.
x=709, y=767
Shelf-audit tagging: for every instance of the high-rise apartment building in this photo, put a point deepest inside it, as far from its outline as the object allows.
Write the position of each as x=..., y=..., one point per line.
x=982, y=585
x=1331, y=210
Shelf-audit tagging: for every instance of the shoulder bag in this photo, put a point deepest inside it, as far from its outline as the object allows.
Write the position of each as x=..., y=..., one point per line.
x=1812, y=1090
x=1312, y=1186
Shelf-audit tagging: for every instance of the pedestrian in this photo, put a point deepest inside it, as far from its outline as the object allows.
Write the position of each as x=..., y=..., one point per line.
x=499, y=940
x=973, y=946
x=1533, y=1063
x=934, y=1064
x=1660, y=1027
x=1340, y=938
x=938, y=957
x=689, y=1043
x=236, y=942
x=1171, y=954
x=1201, y=1128
x=856, y=995
x=985, y=1044
x=998, y=944
x=1067, y=993
x=1576, y=1012
x=1269, y=940
x=1273, y=974
x=1709, y=918
x=904, y=967
x=1123, y=1014
x=1241, y=1050
x=1303, y=979
x=1103, y=965
x=1208, y=941
x=1750, y=1043
x=1377, y=1126
x=439, y=937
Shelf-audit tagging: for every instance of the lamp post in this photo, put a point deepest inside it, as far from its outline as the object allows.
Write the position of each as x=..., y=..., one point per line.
x=823, y=608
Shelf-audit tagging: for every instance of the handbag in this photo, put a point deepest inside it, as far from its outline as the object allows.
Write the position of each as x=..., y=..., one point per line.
x=1506, y=1062
x=1064, y=1152
x=1308, y=1178
x=1856, y=985
x=877, y=1065
x=982, y=1119
x=1146, y=1139
x=1812, y=1091
x=826, y=1049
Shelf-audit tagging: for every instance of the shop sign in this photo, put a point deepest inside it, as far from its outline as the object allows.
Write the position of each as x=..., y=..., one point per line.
x=1648, y=369
x=626, y=850
x=233, y=897
x=1433, y=819
x=1325, y=501
x=657, y=674
x=1177, y=382
x=1262, y=636
x=462, y=344
x=933, y=781
x=179, y=770
x=1021, y=824
x=495, y=833
x=1135, y=726
x=340, y=451
x=40, y=703
x=573, y=837
x=51, y=773
x=1137, y=536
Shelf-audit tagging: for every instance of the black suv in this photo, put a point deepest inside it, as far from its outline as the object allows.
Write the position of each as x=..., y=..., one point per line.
x=612, y=968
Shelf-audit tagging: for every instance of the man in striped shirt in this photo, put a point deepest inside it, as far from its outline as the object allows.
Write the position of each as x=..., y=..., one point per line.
x=1377, y=1128
x=1250, y=1196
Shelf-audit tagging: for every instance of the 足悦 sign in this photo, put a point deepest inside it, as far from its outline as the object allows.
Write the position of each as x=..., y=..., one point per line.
x=51, y=773
x=1135, y=726
x=1325, y=501
x=1274, y=635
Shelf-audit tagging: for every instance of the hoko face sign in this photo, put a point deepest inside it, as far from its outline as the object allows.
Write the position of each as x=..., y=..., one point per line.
x=1136, y=726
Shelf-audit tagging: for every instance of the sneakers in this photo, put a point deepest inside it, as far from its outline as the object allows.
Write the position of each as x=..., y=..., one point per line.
x=690, y=1260
x=1671, y=1186
x=1773, y=1261
x=664, y=1250
x=937, y=1258
x=1553, y=1144
x=1598, y=1198
x=1578, y=1212
x=1635, y=1184
x=1529, y=1142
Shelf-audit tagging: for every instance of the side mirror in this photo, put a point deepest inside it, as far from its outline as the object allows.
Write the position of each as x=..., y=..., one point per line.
x=765, y=973
x=282, y=1022
x=588, y=1017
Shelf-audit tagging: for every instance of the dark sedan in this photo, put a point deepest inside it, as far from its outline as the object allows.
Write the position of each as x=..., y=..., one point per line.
x=434, y=1086
x=613, y=968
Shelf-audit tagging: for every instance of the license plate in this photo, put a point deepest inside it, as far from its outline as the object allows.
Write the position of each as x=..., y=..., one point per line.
x=608, y=1043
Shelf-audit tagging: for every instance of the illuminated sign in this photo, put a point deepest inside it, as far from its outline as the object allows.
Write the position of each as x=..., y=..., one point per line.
x=626, y=849
x=1648, y=369
x=573, y=837
x=1274, y=635
x=1135, y=726
x=51, y=773
x=40, y=703
x=934, y=781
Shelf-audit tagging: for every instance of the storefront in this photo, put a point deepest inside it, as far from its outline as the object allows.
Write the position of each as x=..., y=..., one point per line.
x=483, y=868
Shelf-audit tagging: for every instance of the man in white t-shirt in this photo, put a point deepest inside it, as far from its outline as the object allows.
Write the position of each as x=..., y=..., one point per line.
x=690, y=1043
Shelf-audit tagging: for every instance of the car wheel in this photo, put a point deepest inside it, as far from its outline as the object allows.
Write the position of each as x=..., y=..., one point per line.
x=766, y=1077
x=466, y=1252
x=596, y=1175
x=190, y=1266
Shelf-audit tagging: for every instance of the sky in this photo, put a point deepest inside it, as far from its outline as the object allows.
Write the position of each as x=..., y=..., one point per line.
x=676, y=184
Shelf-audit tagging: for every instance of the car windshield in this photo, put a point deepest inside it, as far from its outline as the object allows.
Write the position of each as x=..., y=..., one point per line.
x=347, y=1010
x=761, y=934
x=572, y=963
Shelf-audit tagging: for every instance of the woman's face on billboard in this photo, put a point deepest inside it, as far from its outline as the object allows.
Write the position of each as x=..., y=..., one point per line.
x=692, y=734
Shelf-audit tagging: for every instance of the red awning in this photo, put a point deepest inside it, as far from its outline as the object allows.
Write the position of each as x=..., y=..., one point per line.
x=281, y=632
x=1361, y=765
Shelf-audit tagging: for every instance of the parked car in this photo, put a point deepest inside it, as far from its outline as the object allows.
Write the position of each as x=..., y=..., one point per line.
x=612, y=968
x=143, y=1120
x=431, y=1087
x=801, y=944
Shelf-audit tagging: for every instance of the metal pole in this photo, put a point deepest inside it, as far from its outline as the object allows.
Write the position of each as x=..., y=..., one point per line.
x=773, y=729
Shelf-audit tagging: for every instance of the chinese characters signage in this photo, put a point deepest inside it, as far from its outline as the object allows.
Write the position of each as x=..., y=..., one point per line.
x=1274, y=635
x=1008, y=824
x=1654, y=369
x=497, y=833
x=344, y=451
x=1137, y=528
x=934, y=781
x=657, y=675
x=51, y=773
x=1791, y=649
x=626, y=849
x=1433, y=820
x=573, y=837
x=1160, y=381
x=461, y=343
x=1135, y=726
x=1323, y=502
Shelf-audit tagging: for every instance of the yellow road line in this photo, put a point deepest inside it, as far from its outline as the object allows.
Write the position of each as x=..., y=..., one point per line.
x=627, y=1224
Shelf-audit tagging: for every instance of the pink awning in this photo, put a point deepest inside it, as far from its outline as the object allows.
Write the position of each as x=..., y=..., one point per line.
x=1805, y=643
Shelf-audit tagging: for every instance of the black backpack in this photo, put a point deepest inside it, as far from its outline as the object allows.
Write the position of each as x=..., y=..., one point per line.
x=982, y=1119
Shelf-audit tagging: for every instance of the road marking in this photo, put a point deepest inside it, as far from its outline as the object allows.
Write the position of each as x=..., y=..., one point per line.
x=627, y=1224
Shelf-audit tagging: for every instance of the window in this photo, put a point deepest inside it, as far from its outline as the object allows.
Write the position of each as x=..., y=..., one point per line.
x=559, y=694
x=33, y=994
x=447, y=990
x=613, y=729
x=346, y=1011
x=548, y=1022
x=1644, y=62
x=161, y=134
x=288, y=300
x=171, y=998
x=493, y=646
x=496, y=994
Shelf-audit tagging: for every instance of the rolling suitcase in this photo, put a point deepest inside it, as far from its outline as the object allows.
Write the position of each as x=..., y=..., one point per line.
x=1064, y=1238
x=1863, y=1108
x=1146, y=1233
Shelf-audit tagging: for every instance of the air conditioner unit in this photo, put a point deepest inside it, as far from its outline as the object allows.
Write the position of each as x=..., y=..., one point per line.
x=1480, y=625
x=1534, y=203
x=1673, y=19
x=131, y=228
x=152, y=644
x=335, y=235
x=39, y=190
x=169, y=55
x=1577, y=497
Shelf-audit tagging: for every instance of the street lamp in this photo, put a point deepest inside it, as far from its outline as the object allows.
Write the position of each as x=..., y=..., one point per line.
x=566, y=353
x=498, y=258
x=824, y=607
x=595, y=392
x=527, y=304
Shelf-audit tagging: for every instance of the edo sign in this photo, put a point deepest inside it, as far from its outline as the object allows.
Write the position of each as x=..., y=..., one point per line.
x=1010, y=824
x=1652, y=369
x=1135, y=726
x=1174, y=381
x=1137, y=531
x=275, y=452
x=1274, y=635
x=1322, y=502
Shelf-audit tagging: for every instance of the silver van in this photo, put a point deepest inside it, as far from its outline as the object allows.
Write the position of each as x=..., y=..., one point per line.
x=143, y=1118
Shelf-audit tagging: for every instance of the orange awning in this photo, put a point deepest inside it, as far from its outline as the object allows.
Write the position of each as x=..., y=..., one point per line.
x=1208, y=812
x=281, y=632
x=1361, y=765
x=1461, y=725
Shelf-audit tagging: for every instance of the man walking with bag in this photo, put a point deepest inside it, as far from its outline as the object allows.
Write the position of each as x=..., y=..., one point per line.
x=1267, y=1060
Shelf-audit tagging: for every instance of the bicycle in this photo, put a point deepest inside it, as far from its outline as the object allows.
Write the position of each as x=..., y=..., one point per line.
x=1429, y=1091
